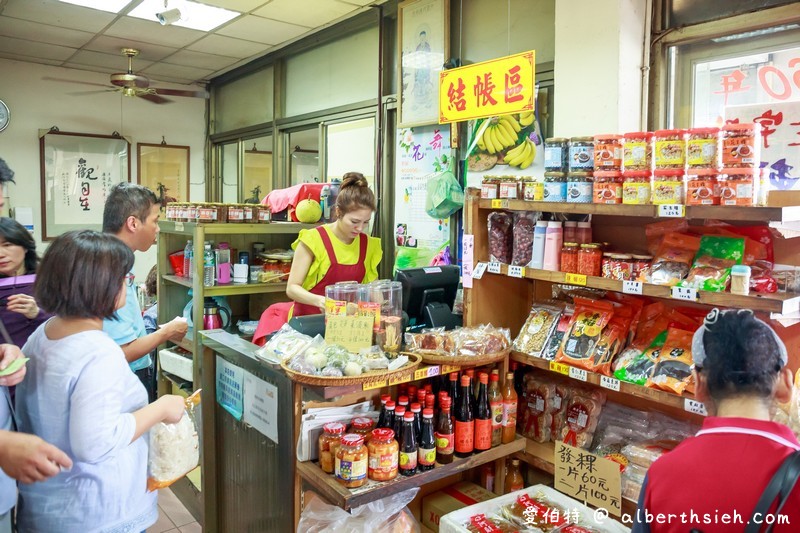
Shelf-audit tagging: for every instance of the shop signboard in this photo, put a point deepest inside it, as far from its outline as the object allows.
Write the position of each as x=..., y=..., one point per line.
x=496, y=87
x=588, y=478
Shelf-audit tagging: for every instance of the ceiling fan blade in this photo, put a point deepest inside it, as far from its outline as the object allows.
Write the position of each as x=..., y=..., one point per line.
x=156, y=99
x=178, y=92
x=81, y=93
x=74, y=81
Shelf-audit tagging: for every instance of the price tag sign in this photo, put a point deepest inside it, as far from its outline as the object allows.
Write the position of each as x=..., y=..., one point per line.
x=179, y=226
x=371, y=385
x=672, y=210
x=516, y=271
x=480, y=268
x=499, y=204
x=352, y=332
x=494, y=268
x=609, y=383
x=578, y=373
x=693, y=406
x=561, y=368
x=632, y=287
x=575, y=279
x=446, y=369
x=684, y=293
x=427, y=372
x=402, y=378
x=588, y=477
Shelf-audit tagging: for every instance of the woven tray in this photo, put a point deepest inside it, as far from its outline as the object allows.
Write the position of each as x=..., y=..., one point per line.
x=414, y=361
x=435, y=358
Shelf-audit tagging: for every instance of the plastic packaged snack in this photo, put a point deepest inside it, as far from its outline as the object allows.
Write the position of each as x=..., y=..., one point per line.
x=500, y=237
x=535, y=511
x=590, y=317
x=284, y=345
x=174, y=448
x=644, y=453
x=581, y=416
x=536, y=419
x=524, y=224
x=538, y=328
x=611, y=341
x=559, y=408
x=675, y=254
x=639, y=369
x=673, y=371
x=712, y=267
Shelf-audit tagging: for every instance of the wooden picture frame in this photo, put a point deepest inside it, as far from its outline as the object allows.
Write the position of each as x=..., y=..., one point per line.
x=77, y=172
x=164, y=169
x=424, y=36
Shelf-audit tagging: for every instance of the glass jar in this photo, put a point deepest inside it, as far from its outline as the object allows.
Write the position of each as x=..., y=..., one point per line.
x=608, y=152
x=737, y=186
x=329, y=443
x=250, y=213
x=272, y=271
x=363, y=426
x=590, y=260
x=702, y=187
x=555, y=187
x=509, y=188
x=285, y=268
x=207, y=212
x=569, y=257
x=236, y=214
x=607, y=265
x=556, y=153
x=637, y=186
x=170, y=211
x=741, y=145
x=579, y=187
x=702, y=148
x=670, y=149
x=637, y=150
x=490, y=187
x=383, y=455
x=621, y=267
x=640, y=266
x=581, y=153
x=532, y=189
x=351, y=461
x=191, y=212
x=607, y=188
x=668, y=185
x=222, y=212
x=263, y=214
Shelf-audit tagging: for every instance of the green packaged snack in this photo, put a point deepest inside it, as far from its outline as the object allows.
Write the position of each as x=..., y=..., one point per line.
x=640, y=368
x=712, y=265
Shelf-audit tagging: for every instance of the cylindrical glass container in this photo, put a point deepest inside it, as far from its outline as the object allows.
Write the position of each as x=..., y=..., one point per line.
x=329, y=443
x=569, y=257
x=383, y=455
x=590, y=260
x=351, y=461
x=641, y=266
x=363, y=426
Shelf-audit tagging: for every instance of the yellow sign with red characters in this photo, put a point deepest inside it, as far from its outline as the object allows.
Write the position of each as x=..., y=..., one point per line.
x=497, y=87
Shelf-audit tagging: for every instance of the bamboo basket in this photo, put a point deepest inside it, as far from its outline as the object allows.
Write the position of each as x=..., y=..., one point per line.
x=373, y=376
x=436, y=358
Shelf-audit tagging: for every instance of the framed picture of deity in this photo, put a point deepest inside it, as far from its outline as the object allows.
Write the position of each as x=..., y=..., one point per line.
x=424, y=31
x=164, y=169
x=78, y=171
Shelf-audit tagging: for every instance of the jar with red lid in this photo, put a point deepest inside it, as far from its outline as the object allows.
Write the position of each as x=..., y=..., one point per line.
x=362, y=426
x=702, y=187
x=607, y=187
x=637, y=187
x=637, y=150
x=383, y=455
x=741, y=145
x=351, y=461
x=670, y=148
x=702, y=148
x=590, y=260
x=329, y=443
x=668, y=186
x=737, y=186
x=607, y=152
x=569, y=257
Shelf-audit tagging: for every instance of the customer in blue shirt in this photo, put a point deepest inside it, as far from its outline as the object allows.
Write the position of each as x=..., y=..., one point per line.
x=131, y=214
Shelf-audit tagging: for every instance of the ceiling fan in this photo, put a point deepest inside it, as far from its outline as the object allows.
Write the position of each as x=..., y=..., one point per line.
x=136, y=85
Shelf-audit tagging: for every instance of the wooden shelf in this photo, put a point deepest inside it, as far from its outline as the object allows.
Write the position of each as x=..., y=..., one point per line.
x=754, y=213
x=181, y=383
x=783, y=303
x=187, y=228
x=347, y=498
x=230, y=289
x=187, y=342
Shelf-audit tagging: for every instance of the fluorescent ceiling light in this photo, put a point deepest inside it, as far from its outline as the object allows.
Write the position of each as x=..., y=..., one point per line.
x=193, y=15
x=112, y=6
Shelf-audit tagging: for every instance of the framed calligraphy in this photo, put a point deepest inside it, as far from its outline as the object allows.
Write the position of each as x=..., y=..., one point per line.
x=424, y=30
x=164, y=169
x=77, y=172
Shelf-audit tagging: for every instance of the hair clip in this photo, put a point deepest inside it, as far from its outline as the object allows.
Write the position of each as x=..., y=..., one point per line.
x=711, y=317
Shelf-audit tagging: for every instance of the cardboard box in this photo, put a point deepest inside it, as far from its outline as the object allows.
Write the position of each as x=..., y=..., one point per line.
x=783, y=198
x=452, y=498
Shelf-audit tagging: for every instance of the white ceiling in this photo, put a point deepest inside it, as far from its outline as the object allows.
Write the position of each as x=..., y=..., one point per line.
x=55, y=33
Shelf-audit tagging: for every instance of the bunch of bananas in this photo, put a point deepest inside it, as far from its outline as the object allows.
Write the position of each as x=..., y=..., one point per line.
x=526, y=118
x=499, y=134
x=521, y=155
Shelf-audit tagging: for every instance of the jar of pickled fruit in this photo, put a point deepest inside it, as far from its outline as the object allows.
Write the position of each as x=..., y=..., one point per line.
x=569, y=257
x=383, y=455
x=329, y=443
x=362, y=426
x=351, y=461
x=590, y=260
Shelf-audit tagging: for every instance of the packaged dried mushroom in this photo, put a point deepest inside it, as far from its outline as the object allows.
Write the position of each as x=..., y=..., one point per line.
x=590, y=317
x=539, y=326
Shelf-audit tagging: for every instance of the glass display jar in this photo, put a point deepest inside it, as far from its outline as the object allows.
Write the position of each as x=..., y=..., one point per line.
x=637, y=186
x=555, y=187
x=702, y=187
x=490, y=187
x=532, y=189
x=737, y=186
x=590, y=260
x=329, y=443
x=702, y=148
x=263, y=214
x=191, y=212
x=383, y=455
x=607, y=187
x=608, y=152
x=556, y=154
x=581, y=153
x=741, y=145
x=621, y=267
x=668, y=186
x=509, y=188
x=363, y=426
x=236, y=214
x=207, y=212
x=569, y=257
x=351, y=461
x=579, y=187
x=670, y=149
x=637, y=150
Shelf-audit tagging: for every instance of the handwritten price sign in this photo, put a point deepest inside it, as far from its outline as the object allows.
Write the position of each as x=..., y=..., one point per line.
x=671, y=211
x=575, y=279
x=494, y=268
x=516, y=271
x=684, y=293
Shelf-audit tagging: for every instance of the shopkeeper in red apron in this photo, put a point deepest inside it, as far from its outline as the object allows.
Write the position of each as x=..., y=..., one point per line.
x=329, y=254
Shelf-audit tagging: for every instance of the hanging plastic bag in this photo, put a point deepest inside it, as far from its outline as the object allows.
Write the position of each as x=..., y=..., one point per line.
x=444, y=195
x=175, y=448
x=386, y=515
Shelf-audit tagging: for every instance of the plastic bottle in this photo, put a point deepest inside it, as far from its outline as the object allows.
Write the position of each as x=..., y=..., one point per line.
x=509, y=410
x=382, y=416
x=584, y=233
x=465, y=425
x=483, y=417
x=496, y=406
x=209, y=268
x=188, y=263
x=416, y=409
x=552, y=246
x=539, y=234
x=408, y=447
x=427, y=444
x=514, y=479
x=570, y=231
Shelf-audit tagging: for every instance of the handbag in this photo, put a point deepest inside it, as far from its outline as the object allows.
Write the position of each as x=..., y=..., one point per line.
x=779, y=487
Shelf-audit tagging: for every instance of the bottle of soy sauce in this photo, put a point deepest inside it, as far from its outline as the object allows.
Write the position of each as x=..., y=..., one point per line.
x=427, y=445
x=382, y=417
x=445, y=434
x=408, y=447
x=397, y=425
x=465, y=425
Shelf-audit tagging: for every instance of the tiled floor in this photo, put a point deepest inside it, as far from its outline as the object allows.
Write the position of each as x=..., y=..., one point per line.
x=173, y=516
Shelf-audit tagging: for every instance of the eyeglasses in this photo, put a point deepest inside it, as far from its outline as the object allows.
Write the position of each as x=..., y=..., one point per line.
x=129, y=280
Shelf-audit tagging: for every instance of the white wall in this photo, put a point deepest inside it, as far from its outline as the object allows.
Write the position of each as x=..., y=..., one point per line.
x=37, y=103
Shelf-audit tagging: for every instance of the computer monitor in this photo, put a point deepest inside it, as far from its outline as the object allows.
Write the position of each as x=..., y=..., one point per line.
x=422, y=286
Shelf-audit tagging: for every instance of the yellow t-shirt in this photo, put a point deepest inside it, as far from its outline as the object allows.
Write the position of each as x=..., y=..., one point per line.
x=346, y=254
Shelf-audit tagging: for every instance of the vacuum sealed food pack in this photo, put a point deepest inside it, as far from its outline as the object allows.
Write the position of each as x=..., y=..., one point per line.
x=711, y=269
x=500, y=237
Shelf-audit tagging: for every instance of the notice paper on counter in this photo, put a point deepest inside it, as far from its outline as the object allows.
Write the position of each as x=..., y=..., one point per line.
x=230, y=385
x=261, y=406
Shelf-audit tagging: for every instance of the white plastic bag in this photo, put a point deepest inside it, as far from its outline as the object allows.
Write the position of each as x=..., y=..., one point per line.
x=284, y=345
x=388, y=515
x=174, y=448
